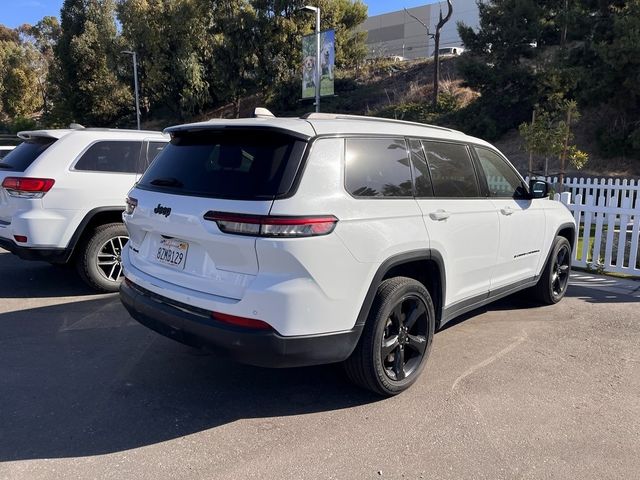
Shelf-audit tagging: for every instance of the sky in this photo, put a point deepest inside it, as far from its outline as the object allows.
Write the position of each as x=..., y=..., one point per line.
x=16, y=12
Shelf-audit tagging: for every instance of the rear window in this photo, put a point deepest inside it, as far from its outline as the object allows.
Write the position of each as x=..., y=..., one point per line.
x=20, y=158
x=240, y=165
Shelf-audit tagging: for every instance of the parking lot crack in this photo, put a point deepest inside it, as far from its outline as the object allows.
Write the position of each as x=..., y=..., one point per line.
x=490, y=360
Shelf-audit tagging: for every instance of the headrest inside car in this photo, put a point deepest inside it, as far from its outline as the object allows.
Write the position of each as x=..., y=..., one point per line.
x=230, y=156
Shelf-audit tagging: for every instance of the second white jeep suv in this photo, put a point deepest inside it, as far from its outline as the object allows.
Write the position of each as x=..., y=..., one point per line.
x=330, y=238
x=63, y=192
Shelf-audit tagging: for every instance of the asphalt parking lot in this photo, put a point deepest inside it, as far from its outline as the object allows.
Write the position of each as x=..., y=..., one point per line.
x=511, y=391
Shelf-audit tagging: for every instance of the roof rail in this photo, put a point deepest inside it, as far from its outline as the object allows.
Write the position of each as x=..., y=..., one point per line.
x=342, y=116
x=119, y=130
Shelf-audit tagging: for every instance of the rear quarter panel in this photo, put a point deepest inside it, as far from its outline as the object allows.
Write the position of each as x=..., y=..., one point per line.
x=369, y=231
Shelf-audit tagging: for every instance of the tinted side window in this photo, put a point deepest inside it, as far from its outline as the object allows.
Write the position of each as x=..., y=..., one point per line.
x=111, y=156
x=21, y=157
x=378, y=167
x=421, y=176
x=452, y=171
x=501, y=179
x=149, y=152
x=154, y=149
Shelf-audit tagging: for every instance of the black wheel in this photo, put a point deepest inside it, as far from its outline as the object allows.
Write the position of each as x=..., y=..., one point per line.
x=396, y=340
x=555, y=277
x=99, y=257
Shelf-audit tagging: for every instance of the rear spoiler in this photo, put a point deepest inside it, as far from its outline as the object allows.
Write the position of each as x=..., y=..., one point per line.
x=34, y=134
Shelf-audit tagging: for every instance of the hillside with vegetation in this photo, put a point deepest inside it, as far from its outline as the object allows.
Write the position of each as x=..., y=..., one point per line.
x=551, y=79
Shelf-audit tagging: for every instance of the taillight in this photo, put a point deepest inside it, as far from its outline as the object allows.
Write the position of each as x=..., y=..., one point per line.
x=132, y=203
x=25, y=187
x=268, y=226
x=240, y=321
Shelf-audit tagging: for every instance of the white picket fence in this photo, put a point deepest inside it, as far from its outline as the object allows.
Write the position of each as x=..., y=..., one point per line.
x=609, y=229
x=614, y=191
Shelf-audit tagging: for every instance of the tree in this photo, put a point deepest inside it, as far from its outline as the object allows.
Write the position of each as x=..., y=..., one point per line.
x=173, y=46
x=89, y=65
x=344, y=16
x=613, y=77
x=42, y=38
x=18, y=80
x=436, y=53
x=234, y=45
x=500, y=65
x=549, y=134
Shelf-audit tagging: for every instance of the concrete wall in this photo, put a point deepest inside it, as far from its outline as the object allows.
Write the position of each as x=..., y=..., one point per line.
x=397, y=33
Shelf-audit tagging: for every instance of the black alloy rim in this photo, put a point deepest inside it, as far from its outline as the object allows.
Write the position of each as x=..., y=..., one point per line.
x=404, y=340
x=560, y=271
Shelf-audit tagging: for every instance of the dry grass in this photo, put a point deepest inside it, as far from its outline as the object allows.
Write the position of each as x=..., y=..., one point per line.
x=463, y=95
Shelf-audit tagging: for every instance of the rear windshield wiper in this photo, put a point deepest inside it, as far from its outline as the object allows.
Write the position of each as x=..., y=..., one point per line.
x=6, y=165
x=167, y=182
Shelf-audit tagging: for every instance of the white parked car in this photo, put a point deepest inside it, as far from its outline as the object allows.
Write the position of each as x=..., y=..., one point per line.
x=5, y=150
x=62, y=196
x=449, y=52
x=331, y=238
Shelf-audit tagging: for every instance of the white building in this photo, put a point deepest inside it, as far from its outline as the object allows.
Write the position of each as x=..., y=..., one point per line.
x=398, y=34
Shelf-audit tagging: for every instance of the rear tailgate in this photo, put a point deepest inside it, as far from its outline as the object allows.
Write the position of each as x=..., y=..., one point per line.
x=214, y=262
x=14, y=165
x=237, y=172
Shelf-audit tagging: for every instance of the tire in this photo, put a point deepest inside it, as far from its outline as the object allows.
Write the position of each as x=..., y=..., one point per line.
x=106, y=240
x=396, y=371
x=553, y=283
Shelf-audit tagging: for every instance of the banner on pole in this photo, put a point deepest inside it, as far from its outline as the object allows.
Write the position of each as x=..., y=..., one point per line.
x=327, y=62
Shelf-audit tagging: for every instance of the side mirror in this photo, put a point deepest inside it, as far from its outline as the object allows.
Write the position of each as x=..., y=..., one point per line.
x=538, y=189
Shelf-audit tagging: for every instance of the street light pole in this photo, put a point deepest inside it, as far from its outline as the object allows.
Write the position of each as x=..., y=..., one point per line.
x=135, y=83
x=318, y=78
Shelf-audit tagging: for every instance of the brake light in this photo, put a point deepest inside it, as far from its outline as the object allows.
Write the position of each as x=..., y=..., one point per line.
x=25, y=187
x=240, y=321
x=268, y=226
x=132, y=203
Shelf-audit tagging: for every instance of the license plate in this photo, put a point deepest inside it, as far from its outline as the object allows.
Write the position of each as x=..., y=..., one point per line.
x=172, y=252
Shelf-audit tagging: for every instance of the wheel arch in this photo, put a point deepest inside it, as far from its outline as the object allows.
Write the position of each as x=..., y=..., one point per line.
x=568, y=231
x=94, y=218
x=425, y=266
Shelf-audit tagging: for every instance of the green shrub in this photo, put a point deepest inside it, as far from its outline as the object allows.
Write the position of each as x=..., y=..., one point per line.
x=613, y=141
x=18, y=124
x=422, y=112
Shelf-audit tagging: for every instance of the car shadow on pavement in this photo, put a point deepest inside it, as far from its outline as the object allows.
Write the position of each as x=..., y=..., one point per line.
x=609, y=295
x=83, y=379
x=523, y=301
x=29, y=279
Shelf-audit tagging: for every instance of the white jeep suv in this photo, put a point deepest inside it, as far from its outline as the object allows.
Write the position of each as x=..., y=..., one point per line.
x=331, y=238
x=62, y=194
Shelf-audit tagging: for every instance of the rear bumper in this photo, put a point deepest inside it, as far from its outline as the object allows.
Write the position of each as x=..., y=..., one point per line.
x=194, y=327
x=53, y=255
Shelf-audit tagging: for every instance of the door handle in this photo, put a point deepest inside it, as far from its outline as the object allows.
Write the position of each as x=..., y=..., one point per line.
x=506, y=211
x=439, y=215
